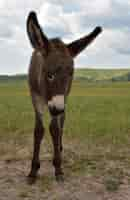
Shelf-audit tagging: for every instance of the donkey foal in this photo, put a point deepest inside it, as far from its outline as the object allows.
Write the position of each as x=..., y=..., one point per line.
x=50, y=78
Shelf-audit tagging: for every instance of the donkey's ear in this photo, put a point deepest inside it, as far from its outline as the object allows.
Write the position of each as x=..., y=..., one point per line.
x=36, y=36
x=77, y=46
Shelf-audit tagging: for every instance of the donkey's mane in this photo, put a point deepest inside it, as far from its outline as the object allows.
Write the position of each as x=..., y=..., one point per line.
x=58, y=44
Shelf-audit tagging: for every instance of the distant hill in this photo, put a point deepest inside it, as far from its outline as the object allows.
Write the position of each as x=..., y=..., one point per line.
x=13, y=77
x=89, y=75
x=95, y=75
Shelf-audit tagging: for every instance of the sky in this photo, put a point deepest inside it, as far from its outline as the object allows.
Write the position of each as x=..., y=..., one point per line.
x=68, y=20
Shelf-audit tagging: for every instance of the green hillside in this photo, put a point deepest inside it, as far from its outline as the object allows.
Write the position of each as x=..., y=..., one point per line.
x=103, y=75
x=19, y=77
x=89, y=75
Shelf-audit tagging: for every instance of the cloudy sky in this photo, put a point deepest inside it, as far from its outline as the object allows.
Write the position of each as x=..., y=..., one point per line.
x=68, y=20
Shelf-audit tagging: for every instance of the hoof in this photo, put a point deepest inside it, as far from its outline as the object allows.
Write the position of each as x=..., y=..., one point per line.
x=60, y=178
x=31, y=179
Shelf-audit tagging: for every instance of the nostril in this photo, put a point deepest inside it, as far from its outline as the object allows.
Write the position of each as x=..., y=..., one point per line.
x=54, y=111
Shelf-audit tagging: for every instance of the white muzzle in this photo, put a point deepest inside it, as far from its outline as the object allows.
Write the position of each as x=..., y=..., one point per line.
x=57, y=102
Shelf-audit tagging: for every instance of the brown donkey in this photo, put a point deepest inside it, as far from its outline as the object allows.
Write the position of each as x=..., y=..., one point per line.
x=50, y=77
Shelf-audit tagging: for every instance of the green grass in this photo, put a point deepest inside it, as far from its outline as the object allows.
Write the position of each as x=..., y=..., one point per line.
x=97, y=126
x=93, y=111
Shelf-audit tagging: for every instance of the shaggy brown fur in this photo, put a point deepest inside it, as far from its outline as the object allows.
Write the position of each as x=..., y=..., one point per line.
x=50, y=78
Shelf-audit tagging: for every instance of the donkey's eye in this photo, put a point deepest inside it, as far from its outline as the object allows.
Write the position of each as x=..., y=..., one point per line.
x=71, y=72
x=50, y=77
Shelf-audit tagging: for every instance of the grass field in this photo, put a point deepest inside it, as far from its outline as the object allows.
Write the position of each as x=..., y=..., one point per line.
x=96, y=133
x=92, y=110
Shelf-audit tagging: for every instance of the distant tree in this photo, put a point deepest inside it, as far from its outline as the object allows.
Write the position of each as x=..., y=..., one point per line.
x=129, y=76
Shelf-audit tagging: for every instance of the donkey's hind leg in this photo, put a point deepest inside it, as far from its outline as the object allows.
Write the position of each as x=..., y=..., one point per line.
x=38, y=135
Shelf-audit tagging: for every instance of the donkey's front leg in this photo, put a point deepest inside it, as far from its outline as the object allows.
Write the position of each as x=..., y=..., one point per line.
x=55, y=130
x=61, y=124
x=38, y=135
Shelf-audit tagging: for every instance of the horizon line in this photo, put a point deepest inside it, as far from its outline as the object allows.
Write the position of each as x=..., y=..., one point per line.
x=77, y=68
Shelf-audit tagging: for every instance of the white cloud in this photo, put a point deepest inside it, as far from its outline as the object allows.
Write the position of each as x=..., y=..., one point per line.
x=69, y=20
x=52, y=16
x=95, y=7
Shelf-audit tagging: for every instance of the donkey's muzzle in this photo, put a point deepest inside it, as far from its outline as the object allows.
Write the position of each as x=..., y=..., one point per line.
x=54, y=111
x=56, y=105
